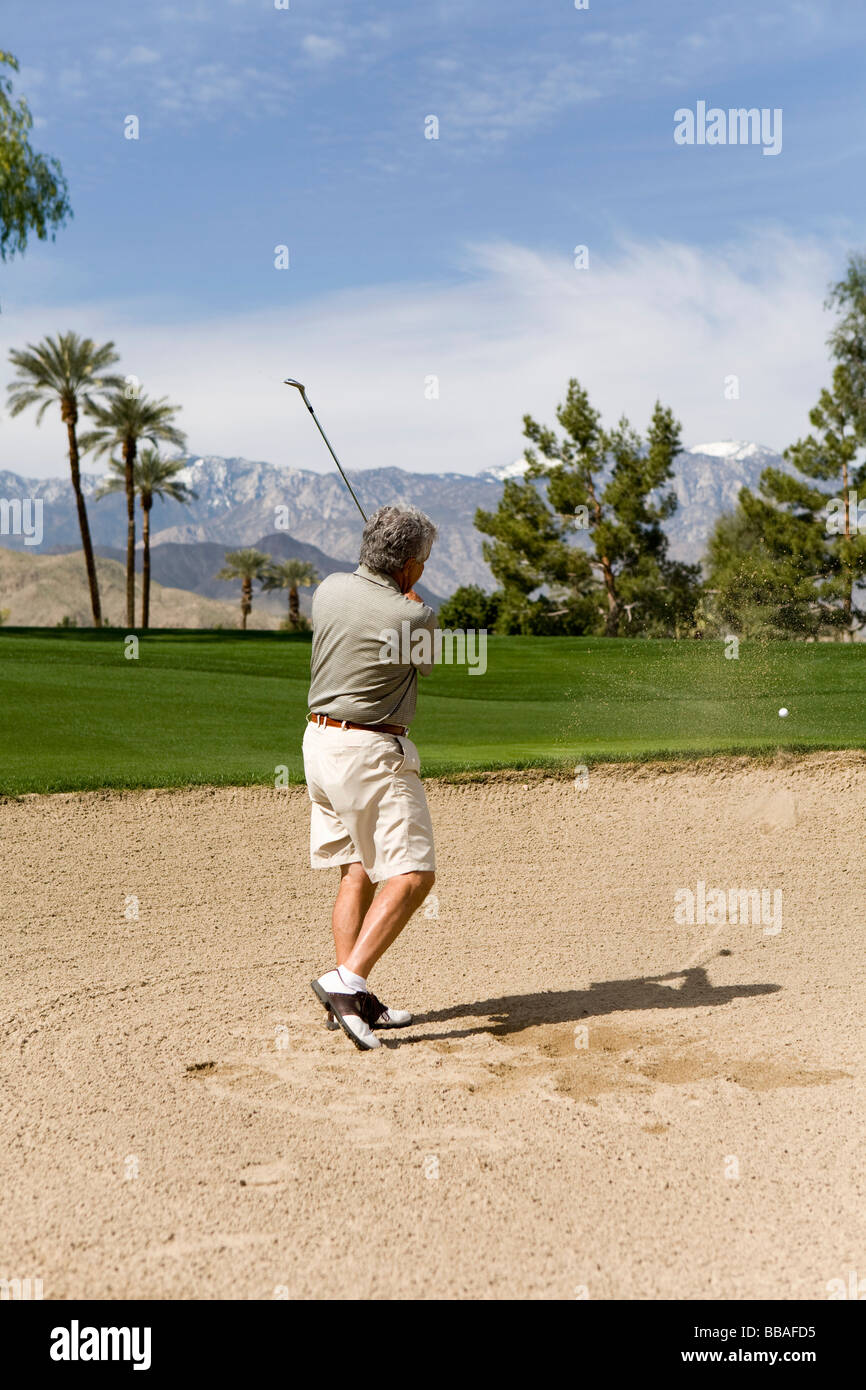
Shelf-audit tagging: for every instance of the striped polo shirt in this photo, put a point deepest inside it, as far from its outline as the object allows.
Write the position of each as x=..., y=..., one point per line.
x=354, y=616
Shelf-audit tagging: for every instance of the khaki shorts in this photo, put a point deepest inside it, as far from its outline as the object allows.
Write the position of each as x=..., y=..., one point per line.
x=368, y=801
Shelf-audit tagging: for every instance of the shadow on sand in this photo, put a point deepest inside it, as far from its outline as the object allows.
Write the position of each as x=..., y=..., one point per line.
x=511, y=1013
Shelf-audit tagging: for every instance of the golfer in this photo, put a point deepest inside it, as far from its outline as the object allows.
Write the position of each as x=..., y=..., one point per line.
x=369, y=814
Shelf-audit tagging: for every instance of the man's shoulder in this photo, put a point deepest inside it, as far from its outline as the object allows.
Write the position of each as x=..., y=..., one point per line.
x=347, y=592
x=334, y=583
x=351, y=586
x=404, y=609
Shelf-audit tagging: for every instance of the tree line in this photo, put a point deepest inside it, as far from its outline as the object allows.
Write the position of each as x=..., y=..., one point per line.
x=77, y=375
x=578, y=545
x=252, y=566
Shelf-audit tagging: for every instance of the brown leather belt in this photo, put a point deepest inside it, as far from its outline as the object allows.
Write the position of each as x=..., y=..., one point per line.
x=325, y=720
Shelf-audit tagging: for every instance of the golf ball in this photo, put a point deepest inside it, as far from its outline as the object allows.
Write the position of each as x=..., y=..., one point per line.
x=783, y=713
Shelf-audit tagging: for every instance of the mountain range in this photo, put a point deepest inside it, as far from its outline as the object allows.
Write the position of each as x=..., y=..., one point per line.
x=292, y=511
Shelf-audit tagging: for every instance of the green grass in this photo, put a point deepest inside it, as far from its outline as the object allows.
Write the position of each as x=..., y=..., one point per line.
x=228, y=707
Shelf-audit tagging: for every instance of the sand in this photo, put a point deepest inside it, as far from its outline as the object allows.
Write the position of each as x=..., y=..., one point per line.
x=568, y=1116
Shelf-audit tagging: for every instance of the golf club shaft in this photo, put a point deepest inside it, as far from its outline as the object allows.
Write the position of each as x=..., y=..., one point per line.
x=333, y=455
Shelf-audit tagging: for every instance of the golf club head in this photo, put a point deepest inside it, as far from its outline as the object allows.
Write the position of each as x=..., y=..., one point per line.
x=290, y=381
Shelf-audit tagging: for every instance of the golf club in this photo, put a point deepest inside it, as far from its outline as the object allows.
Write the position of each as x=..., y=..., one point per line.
x=289, y=381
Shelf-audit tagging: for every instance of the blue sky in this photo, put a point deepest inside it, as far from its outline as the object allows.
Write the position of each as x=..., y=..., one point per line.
x=451, y=257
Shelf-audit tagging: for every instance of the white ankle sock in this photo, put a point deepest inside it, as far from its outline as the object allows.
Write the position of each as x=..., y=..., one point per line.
x=354, y=983
x=342, y=981
x=333, y=984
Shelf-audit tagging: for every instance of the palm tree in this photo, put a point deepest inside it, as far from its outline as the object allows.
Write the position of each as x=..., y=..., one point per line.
x=289, y=574
x=245, y=565
x=152, y=477
x=69, y=370
x=125, y=418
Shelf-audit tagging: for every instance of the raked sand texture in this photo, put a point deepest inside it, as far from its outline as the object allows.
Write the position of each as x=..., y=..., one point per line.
x=593, y=1100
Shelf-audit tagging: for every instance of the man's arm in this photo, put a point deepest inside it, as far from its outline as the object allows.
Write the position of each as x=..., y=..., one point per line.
x=425, y=619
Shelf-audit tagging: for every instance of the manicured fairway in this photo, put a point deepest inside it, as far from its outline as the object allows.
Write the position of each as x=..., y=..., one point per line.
x=220, y=707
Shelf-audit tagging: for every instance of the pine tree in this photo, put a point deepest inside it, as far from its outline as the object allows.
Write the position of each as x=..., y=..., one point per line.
x=528, y=551
x=847, y=342
x=752, y=589
x=789, y=559
x=830, y=455
x=812, y=553
x=612, y=486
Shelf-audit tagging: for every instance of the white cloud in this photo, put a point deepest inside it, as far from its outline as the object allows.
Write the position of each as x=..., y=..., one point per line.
x=660, y=321
x=141, y=55
x=321, y=49
x=211, y=90
x=490, y=102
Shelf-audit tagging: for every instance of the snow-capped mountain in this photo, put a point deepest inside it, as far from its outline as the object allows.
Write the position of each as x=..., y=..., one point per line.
x=507, y=470
x=240, y=500
x=734, y=450
x=707, y=481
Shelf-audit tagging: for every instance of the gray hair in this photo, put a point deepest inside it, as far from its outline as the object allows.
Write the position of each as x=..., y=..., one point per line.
x=394, y=535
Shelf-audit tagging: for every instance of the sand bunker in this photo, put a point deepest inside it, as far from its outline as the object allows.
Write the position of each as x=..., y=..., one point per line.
x=595, y=1100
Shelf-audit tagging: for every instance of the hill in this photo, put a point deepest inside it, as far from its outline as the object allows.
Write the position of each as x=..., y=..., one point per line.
x=42, y=590
x=195, y=566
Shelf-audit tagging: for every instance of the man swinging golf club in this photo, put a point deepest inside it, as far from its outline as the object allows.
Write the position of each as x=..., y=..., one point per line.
x=369, y=814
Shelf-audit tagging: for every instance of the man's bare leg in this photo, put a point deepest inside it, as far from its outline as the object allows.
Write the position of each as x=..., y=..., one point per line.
x=386, y=917
x=354, y=897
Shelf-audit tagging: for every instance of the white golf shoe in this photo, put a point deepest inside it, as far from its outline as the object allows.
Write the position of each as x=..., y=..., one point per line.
x=352, y=1013
x=387, y=1018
